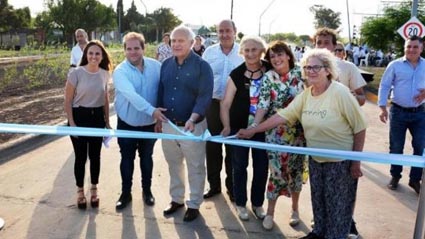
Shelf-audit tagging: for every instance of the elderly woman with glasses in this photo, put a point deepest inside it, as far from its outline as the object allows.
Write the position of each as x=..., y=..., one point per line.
x=332, y=119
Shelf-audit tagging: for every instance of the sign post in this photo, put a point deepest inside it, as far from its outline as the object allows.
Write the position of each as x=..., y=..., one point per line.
x=411, y=28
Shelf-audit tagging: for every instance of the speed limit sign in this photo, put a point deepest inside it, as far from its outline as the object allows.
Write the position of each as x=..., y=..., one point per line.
x=413, y=27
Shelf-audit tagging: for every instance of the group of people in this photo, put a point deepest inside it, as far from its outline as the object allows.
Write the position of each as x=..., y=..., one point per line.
x=255, y=91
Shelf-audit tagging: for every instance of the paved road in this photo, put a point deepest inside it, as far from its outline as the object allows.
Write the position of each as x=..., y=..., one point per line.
x=38, y=197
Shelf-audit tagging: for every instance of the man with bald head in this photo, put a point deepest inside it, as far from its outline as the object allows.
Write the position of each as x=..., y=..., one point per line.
x=223, y=57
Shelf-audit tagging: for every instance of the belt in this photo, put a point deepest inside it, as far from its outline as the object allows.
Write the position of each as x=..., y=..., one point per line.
x=178, y=123
x=420, y=108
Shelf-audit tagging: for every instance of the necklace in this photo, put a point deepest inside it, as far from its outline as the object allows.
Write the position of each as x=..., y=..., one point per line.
x=253, y=72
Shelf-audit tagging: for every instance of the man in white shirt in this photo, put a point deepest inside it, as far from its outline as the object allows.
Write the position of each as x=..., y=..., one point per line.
x=223, y=57
x=77, y=50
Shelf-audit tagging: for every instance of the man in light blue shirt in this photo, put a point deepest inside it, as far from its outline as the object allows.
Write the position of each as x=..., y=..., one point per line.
x=136, y=82
x=223, y=57
x=405, y=76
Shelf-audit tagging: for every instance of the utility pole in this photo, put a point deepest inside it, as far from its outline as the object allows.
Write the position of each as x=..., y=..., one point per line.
x=348, y=19
x=231, y=10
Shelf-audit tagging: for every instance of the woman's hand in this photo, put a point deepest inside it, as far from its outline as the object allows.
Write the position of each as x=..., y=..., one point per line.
x=225, y=132
x=245, y=133
x=355, y=169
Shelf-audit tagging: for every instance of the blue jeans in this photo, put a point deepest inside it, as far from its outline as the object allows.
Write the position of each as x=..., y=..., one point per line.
x=128, y=148
x=400, y=122
x=240, y=157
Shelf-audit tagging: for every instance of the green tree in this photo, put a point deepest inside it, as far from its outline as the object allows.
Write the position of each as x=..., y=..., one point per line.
x=325, y=17
x=13, y=19
x=68, y=15
x=165, y=20
x=381, y=32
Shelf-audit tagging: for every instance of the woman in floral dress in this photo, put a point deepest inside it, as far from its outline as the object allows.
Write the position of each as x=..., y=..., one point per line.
x=279, y=87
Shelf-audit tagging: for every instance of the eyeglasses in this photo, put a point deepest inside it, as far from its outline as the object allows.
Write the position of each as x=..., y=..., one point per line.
x=339, y=50
x=315, y=68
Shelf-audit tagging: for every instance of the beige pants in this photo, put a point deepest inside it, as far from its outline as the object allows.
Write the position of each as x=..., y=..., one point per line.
x=194, y=153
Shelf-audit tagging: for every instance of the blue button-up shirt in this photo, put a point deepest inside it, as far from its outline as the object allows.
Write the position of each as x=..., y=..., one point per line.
x=136, y=92
x=221, y=65
x=186, y=88
x=405, y=80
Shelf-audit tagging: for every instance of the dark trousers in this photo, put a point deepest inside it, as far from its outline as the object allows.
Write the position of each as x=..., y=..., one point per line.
x=400, y=122
x=214, y=151
x=128, y=148
x=260, y=163
x=91, y=146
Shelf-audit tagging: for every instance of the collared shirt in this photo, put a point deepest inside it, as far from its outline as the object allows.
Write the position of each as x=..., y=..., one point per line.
x=136, y=91
x=221, y=65
x=404, y=80
x=186, y=88
x=76, y=55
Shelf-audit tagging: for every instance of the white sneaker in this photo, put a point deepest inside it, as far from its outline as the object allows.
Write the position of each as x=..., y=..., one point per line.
x=259, y=212
x=242, y=213
x=268, y=222
x=295, y=219
x=352, y=236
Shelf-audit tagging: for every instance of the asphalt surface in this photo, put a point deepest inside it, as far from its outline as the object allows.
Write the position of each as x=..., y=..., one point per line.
x=38, y=197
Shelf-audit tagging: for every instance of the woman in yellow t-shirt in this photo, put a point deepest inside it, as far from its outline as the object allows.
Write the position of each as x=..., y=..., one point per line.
x=331, y=119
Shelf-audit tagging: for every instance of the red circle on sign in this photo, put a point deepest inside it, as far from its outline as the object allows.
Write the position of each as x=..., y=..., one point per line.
x=408, y=25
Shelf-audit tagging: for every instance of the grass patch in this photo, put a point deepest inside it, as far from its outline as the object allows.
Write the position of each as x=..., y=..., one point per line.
x=373, y=86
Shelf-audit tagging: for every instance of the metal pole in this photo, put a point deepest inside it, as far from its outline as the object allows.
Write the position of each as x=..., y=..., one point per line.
x=146, y=9
x=414, y=8
x=348, y=19
x=231, y=10
x=261, y=15
x=420, y=216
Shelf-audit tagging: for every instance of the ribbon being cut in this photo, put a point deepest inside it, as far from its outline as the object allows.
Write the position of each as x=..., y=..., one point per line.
x=405, y=160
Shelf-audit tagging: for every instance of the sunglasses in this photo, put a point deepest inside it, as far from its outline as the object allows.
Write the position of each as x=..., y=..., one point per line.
x=339, y=50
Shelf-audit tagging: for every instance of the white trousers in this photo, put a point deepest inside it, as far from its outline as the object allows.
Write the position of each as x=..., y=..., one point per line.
x=194, y=153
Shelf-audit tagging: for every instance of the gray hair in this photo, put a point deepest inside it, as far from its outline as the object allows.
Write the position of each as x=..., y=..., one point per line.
x=256, y=39
x=327, y=59
x=82, y=31
x=186, y=30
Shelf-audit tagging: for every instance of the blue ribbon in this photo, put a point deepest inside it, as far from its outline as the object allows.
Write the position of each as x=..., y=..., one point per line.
x=398, y=159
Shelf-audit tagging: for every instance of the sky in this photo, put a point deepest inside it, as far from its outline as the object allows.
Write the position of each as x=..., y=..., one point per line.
x=276, y=15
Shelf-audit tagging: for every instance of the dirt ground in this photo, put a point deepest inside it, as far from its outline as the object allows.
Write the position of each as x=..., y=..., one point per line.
x=43, y=107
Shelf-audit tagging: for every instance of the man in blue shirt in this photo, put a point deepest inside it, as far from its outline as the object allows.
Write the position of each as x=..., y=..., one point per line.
x=223, y=57
x=407, y=79
x=185, y=90
x=136, y=82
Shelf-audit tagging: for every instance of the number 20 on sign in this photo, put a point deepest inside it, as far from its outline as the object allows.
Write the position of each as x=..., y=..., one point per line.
x=411, y=28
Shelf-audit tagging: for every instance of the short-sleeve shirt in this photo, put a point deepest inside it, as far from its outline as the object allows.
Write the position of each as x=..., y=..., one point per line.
x=330, y=120
x=349, y=75
x=89, y=87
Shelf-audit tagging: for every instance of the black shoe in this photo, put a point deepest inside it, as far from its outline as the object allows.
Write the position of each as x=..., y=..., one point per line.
x=353, y=231
x=190, y=215
x=172, y=208
x=312, y=235
x=416, y=185
x=393, y=183
x=148, y=198
x=123, y=201
x=231, y=197
x=211, y=192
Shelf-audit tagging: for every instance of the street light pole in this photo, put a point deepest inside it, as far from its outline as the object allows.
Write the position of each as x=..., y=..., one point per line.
x=146, y=9
x=261, y=15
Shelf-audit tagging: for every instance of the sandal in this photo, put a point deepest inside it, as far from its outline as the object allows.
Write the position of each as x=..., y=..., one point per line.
x=81, y=199
x=94, y=200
